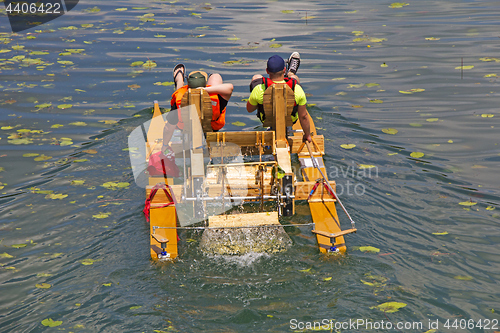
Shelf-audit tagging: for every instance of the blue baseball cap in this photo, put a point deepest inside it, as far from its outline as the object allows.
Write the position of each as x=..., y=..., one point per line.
x=275, y=64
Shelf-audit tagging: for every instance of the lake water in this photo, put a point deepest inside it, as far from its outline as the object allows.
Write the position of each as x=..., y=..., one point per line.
x=397, y=83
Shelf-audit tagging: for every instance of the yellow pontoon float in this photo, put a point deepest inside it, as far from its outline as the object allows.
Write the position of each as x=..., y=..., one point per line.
x=267, y=182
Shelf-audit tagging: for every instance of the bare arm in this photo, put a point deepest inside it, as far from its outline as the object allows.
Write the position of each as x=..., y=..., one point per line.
x=250, y=107
x=304, y=122
x=224, y=89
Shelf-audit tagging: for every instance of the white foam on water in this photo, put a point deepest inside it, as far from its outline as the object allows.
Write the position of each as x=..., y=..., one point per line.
x=241, y=261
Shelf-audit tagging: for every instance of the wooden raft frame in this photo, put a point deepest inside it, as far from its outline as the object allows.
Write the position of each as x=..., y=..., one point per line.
x=278, y=105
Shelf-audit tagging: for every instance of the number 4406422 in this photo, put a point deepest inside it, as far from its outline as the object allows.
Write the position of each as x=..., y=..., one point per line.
x=33, y=8
x=485, y=324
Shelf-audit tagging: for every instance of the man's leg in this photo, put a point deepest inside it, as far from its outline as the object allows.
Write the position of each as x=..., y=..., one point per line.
x=214, y=79
x=179, y=72
x=256, y=80
x=293, y=66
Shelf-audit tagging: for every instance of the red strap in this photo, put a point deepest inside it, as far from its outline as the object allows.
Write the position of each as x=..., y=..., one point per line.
x=147, y=203
x=313, y=190
x=329, y=191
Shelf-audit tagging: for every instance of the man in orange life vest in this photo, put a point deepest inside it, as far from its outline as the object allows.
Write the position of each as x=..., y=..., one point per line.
x=218, y=91
x=277, y=71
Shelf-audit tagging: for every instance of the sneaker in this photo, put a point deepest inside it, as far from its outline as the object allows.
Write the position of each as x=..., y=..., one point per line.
x=294, y=62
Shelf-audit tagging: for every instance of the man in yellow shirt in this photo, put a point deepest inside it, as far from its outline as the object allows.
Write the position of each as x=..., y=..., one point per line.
x=278, y=73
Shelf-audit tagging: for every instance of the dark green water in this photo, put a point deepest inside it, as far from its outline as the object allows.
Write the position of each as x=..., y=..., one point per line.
x=438, y=257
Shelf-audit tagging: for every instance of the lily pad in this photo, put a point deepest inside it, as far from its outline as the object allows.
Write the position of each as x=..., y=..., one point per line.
x=90, y=151
x=18, y=246
x=6, y=255
x=467, y=203
x=238, y=123
x=348, y=146
x=366, y=166
x=42, y=158
x=411, y=91
x=398, y=5
x=20, y=141
x=440, y=233
x=56, y=196
x=369, y=249
x=78, y=123
x=390, y=131
x=43, y=285
x=465, y=67
x=417, y=154
x=390, y=307
x=137, y=63
x=378, y=101
x=149, y=64
x=101, y=215
x=463, y=277
x=487, y=115
x=64, y=106
x=167, y=83
x=87, y=262
x=44, y=275
x=51, y=323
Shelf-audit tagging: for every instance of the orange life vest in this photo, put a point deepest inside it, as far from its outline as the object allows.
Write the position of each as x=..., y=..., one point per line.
x=218, y=115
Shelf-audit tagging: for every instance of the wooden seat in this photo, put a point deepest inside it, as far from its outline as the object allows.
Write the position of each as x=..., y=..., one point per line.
x=270, y=95
x=332, y=236
x=160, y=239
x=201, y=100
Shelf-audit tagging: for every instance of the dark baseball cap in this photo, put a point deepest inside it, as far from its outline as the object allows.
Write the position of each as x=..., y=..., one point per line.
x=275, y=64
x=197, y=79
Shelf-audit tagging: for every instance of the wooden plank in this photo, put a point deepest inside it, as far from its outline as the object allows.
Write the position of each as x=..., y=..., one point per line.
x=283, y=159
x=295, y=142
x=298, y=127
x=325, y=217
x=159, y=239
x=268, y=105
x=302, y=190
x=161, y=198
x=155, y=131
x=309, y=172
x=334, y=235
x=153, y=180
x=244, y=220
x=163, y=217
x=279, y=111
x=215, y=190
x=201, y=99
x=241, y=138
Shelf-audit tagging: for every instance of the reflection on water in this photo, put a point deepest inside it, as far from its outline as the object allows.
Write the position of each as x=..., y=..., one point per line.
x=74, y=245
